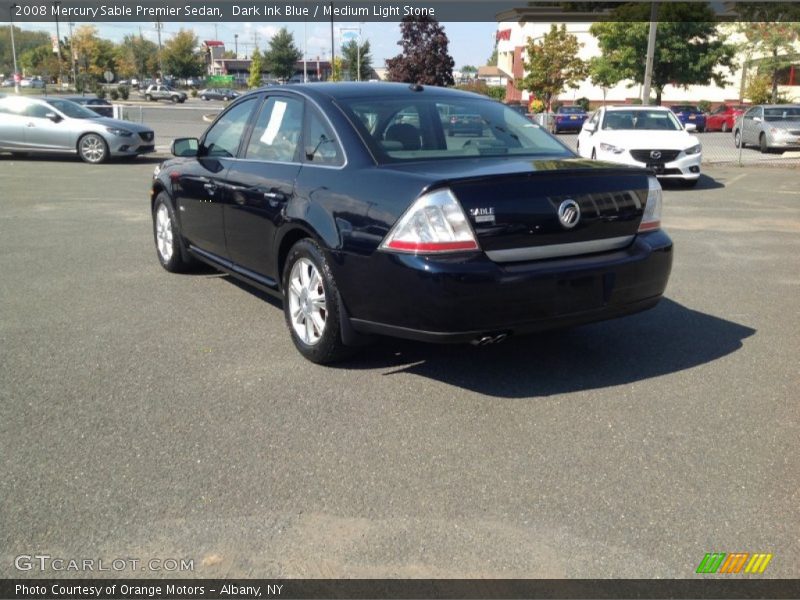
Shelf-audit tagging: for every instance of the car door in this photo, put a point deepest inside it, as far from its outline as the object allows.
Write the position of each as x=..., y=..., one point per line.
x=585, y=136
x=42, y=133
x=199, y=190
x=750, y=126
x=12, y=122
x=261, y=183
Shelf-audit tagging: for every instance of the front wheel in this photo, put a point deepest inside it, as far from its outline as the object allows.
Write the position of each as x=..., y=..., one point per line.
x=725, y=127
x=594, y=154
x=166, y=234
x=311, y=304
x=92, y=148
x=204, y=98
x=175, y=99
x=148, y=97
x=762, y=144
x=737, y=139
x=224, y=98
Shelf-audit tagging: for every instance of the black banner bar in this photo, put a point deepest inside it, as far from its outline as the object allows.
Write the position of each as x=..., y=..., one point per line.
x=399, y=589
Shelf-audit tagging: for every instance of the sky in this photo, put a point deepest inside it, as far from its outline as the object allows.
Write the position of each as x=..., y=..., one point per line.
x=470, y=43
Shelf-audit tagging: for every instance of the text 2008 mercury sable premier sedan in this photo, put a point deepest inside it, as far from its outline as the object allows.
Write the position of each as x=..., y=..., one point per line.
x=352, y=203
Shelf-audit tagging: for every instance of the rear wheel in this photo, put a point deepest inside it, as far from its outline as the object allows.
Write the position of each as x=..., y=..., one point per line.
x=725, y=127
x=737, y=139
x=224, y=98
x=92, y=148
x=311, y=304
x=203, y=97
x=175, y=99
x=762, y=144
x=148, y=97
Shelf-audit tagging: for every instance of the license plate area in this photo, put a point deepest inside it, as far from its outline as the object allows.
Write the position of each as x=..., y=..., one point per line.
x=657, y=167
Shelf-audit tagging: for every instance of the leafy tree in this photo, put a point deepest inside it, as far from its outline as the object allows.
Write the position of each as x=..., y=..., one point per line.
x=468, y=70
x=337, y=66
x=256, y=66
x=136, y=56
x=40, y=60
x=425, y=58
x=689, y=48
x=603, y=74
x=24, y=39
x=282, y=55
x=492, y=60
x=350, y=53
x=553, y=64
x=94, y=55
x=181, y=56
x=771, y=32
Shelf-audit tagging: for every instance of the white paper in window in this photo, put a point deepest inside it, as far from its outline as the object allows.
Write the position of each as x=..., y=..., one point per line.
x=275, y=120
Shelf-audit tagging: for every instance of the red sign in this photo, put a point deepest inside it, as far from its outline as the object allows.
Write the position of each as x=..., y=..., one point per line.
x=503, y=34
x=17, y=77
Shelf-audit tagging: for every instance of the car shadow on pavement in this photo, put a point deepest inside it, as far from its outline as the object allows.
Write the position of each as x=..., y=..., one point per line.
x=666, y=339
x=703, y=183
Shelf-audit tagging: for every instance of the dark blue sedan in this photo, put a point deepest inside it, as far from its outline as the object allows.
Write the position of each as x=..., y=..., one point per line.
x=568, y=118
x=366, y=219
x=687, y=114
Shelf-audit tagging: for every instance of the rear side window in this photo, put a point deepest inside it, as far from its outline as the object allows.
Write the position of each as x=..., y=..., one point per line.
x=427, y=127
x=320, y=144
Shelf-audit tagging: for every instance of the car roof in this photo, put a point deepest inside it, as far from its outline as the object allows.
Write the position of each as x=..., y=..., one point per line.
x=373, y=89
x=636, y=107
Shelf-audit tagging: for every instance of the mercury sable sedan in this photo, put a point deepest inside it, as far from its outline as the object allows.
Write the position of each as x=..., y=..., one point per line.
x=58, y=126
x=646, y=136
x=368, y=222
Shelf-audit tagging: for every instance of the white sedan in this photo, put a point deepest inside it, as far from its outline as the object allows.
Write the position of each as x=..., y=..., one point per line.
x=649, y=136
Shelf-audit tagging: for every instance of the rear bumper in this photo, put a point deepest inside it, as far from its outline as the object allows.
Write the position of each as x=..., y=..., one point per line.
x=458, y=299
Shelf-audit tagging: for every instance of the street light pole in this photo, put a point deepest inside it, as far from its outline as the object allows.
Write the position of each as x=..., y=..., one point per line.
x=14, y=49
x=56, y=3
x=236, y=43
x=651, y=51
x=72, y=55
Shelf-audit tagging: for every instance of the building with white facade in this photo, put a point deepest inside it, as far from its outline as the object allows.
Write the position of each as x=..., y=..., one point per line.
x=515, y=27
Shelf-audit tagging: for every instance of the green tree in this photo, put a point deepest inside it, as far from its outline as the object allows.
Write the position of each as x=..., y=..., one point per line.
x=136, y=56
x=181, y=56
x=689, y=48
x=770, y=33
x=336, y=69
x=425, y=58
x=492, y=60
x=603, y=74
x=256, y=66
x=24, y=39
x=468, y=71
x=553, y=64
x=282, y=55
x=39, y=60
x=355, y=54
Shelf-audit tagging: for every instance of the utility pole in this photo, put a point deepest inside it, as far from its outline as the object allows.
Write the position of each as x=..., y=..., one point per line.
x=56, y=3
x=72, y=54
x=159, y=25
x=14, y=49
x=305, y=50
x=651, y=52
x=236, y=44
x=333, y=48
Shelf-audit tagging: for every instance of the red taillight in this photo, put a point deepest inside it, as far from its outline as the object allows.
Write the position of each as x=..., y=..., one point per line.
x=431, y=246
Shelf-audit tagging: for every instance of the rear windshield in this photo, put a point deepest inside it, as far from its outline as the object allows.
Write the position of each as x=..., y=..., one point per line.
x=571, y=110
x=787, y=113
x=685, y=108
x=426, y=127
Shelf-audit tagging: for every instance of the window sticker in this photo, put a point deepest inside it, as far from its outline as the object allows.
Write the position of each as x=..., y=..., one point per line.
x=275, y=120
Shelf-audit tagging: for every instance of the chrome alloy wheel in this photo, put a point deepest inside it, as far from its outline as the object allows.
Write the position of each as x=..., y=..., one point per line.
x=93, y=148
x=307, y=305
x=164, y=233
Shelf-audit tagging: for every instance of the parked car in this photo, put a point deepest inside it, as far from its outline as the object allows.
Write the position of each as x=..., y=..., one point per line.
x=364, y=225
x=218, y=94
x=687, y=113
x=31, y=83
x=519, y=109
x=568, y=118
x=465, y=123
x=772, y=127
x=164, y=92
x=59, y=126
x=723, y=117
x=646, y=136
x=7, y=83
x=99, y=105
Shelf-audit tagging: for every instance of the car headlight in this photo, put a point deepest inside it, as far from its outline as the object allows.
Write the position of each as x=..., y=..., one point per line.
x=611, y=148
x=694, y=149
x=119, y=132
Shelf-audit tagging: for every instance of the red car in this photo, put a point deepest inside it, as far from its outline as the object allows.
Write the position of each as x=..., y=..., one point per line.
x=723, y=117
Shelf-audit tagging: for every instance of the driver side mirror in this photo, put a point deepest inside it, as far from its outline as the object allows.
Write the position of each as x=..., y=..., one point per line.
x=590, y=127
x=185, y=147
x=690, y=127
x=54, y=117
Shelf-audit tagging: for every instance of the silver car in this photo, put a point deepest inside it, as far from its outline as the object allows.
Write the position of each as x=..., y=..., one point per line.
x=770, y=127
x=58, y=126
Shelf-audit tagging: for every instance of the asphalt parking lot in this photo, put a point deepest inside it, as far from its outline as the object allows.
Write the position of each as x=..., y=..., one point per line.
x=144, y=414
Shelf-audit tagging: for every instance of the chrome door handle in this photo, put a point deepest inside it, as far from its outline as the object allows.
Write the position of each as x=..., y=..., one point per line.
x=210, y=188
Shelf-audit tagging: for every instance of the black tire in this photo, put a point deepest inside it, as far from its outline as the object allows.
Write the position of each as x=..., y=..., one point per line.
x=701, y=129
x=737, y=139
x=224, y=98
x=176, y=260
x=594, y=154
x=762, y=144
x=204, y=98
x=329, y=347
x=92, y=148
x=175, y=99
x=148, y=97
x=725, y=127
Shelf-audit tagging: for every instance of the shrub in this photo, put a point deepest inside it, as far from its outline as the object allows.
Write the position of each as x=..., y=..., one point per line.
x=583, y=102
x=704, y=106
x=114, y=94
x=100, y=92
x=194, y=92
x=535, y=106
x=124, y=92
